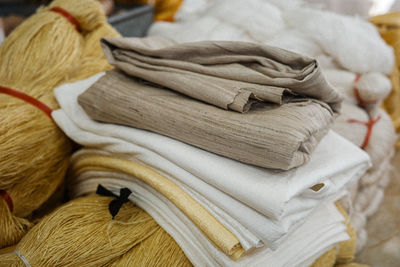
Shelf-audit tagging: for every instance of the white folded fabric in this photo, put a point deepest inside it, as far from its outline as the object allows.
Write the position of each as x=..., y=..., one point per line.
x=267, y=203
x=322, y=230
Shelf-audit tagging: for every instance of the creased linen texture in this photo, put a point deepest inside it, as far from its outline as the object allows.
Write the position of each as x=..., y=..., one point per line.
x=292, y=105
x=273, y=202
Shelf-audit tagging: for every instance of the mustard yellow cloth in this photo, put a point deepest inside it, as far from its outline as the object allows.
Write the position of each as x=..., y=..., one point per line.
x=346, y=249
x=343, y=254
x=207, y=223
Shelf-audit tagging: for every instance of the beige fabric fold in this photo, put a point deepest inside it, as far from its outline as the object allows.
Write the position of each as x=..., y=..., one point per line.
x=230, y=75
x=207, y=223
x=269, y=135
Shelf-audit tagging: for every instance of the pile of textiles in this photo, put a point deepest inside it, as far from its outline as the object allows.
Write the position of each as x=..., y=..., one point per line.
x=354, y=59
x=184, y=150
x=235, y=151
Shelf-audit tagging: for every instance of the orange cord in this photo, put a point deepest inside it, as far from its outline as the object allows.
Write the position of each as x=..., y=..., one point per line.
x=27, y=98
x=370, y=124
x=68, y=16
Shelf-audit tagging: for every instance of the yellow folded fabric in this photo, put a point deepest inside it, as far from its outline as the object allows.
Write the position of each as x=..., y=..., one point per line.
x=389, y=28
x=327, y=259
x=207, y=223
x=344, y=253
x=346, y=249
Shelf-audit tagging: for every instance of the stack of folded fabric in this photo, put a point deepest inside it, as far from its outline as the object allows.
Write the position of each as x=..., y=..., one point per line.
x=225, y=144
x=354, y=58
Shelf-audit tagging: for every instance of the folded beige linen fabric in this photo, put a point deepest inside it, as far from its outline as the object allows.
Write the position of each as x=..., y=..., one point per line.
x=230, y=75
x=289, y=105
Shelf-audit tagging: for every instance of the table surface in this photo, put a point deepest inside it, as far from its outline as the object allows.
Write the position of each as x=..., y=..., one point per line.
x=383, y=246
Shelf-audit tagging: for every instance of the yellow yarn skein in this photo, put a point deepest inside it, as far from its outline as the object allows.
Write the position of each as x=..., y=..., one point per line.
x=45, y=51
x=82, y=233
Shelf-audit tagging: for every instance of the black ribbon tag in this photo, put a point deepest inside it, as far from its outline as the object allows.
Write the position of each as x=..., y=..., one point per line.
x=116, y=204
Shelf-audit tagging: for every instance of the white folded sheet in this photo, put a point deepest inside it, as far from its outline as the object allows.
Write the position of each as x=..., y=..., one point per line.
x=267, y=203
x=322, y=230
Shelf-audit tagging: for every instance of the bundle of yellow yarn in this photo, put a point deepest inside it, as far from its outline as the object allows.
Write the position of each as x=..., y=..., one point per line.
x=83, y=233
x=45, y=51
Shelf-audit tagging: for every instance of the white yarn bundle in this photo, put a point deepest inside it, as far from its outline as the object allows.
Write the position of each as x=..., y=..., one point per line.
x=351, y=124
x=350, y=41
x=367, y=90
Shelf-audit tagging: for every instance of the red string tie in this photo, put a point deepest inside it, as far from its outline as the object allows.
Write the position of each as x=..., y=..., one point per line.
x=370, y=125
x=68, y=16
x=27, y=98
x=8, y=199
